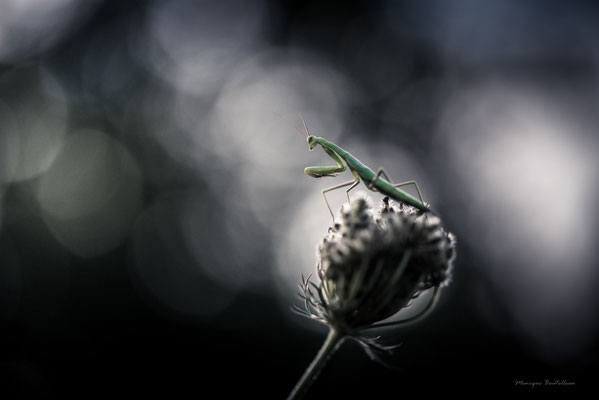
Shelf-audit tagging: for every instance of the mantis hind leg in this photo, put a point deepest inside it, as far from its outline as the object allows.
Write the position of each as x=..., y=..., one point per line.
x=353, y=184
x=381, y=171
x=417, y=188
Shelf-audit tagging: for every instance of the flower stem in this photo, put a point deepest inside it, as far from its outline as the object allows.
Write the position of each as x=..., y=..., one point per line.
x=333, y=341
x=431, y=304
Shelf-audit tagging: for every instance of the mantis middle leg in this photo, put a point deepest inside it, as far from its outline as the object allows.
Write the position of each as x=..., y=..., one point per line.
x=353, y=184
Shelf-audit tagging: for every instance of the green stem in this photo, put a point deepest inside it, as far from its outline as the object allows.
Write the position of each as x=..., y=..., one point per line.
x=429, y=307
x=333, y=340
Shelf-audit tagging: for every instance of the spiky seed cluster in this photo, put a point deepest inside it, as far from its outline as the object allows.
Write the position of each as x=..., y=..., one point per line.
x=372, y=263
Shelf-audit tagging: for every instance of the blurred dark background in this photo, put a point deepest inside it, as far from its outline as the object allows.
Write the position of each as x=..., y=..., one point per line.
x=155, y=219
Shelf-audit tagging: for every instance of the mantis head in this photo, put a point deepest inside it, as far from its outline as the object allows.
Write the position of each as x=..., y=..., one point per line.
x=311, y=142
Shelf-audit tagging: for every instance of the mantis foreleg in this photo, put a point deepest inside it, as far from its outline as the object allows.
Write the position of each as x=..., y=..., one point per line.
x=319, y=172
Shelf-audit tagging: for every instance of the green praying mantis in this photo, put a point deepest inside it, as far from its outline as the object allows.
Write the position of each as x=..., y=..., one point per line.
x=360, y=171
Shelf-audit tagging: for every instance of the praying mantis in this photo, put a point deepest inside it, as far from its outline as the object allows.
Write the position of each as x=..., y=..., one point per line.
x=360, y=171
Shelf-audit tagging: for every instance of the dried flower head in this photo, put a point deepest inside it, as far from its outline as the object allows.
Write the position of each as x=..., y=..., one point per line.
x=373, y=263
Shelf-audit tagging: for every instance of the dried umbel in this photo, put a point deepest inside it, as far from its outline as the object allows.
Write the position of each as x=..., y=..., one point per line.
x=374, y=262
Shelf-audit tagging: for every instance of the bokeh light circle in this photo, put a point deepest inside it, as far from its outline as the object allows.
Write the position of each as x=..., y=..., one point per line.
x=91, y=194
x=33, y=122
x=524, y=163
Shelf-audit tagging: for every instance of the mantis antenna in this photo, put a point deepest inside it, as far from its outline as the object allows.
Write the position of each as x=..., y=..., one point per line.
x=292, y=124
x=305, y=125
